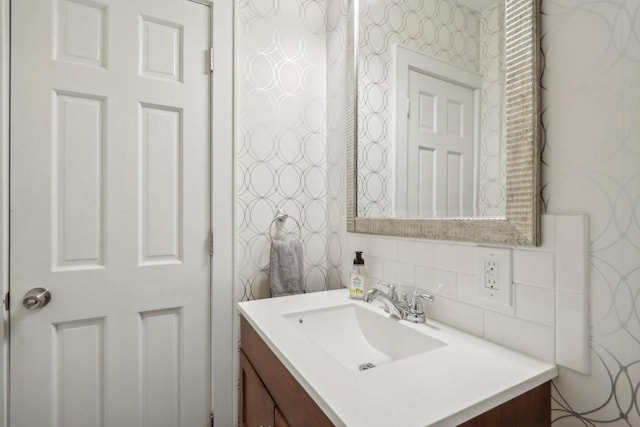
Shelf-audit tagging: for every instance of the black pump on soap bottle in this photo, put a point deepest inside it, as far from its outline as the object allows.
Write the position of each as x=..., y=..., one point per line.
x=357, y=277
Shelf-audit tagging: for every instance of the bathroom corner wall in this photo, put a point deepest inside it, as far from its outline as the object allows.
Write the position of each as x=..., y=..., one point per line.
x=591, y=105
x=281, y=140
x=337, y=116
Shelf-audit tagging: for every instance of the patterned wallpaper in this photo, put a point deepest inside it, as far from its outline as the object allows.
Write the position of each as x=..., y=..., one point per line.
x=281, y=145
x=450, y=32
x=591, y=110
x=337, y=114
x=591, y=116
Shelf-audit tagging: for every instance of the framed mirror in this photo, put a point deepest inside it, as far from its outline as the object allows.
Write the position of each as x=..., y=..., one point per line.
x=444, y=141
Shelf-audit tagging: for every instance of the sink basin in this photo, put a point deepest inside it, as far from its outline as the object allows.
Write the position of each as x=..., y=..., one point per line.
x=360, y=339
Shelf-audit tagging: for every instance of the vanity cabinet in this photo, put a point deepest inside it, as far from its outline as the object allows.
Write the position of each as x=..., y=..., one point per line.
x=258, y=408
x=271, y=396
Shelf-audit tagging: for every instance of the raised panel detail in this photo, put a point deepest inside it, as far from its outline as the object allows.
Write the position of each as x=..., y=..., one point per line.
x=79, y=373
x=161, y=45
x=161, y=367
x=161, y=224
x=78, y=184
x=427, y=185
x=455, y=117
x=427, y=112
x=454, y=184
x=81, y=32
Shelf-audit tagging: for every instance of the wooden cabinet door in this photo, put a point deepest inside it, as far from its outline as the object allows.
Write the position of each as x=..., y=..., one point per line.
x=280, y=421
x=258, y=409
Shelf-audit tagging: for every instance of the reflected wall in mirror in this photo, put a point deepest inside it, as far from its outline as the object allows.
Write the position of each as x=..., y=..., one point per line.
x=431, y=81
x=444, y=141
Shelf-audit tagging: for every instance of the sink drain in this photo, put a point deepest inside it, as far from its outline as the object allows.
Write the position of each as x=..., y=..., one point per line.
x=366, y=366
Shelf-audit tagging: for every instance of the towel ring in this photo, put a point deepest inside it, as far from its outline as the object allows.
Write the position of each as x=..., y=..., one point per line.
x=281, y=216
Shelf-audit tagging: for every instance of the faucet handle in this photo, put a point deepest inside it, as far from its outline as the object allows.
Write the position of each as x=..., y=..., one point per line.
x=392, y=289
x=415, y=312
x=415, y=305
x=426, y=297
x=403, y=301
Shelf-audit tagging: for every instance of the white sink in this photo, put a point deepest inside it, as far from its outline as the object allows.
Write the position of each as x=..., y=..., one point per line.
x=426, y=375
x=360, y=339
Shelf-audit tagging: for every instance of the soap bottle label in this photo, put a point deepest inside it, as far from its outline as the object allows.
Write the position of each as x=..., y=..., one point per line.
x=356, y=290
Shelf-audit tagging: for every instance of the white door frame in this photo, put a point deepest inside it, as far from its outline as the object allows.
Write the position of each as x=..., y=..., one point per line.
x=405, y=58
x=223, y=201
x=222, y=210
x=4, y=203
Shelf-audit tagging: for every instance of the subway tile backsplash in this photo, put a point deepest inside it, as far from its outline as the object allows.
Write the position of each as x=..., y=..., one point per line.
x=541, y=313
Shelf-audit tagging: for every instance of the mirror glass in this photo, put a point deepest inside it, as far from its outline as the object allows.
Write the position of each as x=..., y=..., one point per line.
x=445, y=138
x=431, y=135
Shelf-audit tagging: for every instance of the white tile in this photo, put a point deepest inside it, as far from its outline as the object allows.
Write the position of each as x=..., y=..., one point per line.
x=458, y=258
x=415, y=252
x=436, y=281
x=534, y=268
x=536, y=304
x=370, y=245
x=548, y=232
x=381, y=247
x=459, y=315
x=356, y=242
x=398, y=272
x=372, y=266
x=531, y=338
x=572, y=253
x=466, y=287
x=572, y=331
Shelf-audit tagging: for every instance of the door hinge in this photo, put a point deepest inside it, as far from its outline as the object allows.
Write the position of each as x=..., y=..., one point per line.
x=211, y=60
x=6, y=301
x=408, y=108
x=210, y=243
x=211, y=415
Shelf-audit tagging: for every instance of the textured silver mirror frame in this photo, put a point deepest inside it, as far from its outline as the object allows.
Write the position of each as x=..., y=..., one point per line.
x=522, y=223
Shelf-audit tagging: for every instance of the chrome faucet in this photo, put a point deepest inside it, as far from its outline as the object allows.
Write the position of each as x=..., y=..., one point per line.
x=413, y=312
x=393, y=295
x=390, y=304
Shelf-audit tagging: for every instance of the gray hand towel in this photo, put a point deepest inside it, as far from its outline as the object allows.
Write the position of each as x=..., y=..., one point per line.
x=286, y=268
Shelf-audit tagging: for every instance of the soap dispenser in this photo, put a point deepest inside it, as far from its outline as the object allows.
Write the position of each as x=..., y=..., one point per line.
x=357, y=278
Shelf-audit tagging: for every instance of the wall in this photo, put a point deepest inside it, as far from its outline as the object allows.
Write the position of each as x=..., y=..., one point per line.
x=591, y=105
x=337, y=113
x=281, y=143
x=591, y=164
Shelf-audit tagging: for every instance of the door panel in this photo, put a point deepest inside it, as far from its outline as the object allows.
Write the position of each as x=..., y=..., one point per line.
x=440, y=148
x=110, y=210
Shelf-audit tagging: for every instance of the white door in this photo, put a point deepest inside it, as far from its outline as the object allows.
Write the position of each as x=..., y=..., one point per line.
x=440, y=148
x=110, y=211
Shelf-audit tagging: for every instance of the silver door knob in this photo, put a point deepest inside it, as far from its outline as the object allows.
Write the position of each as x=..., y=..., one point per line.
x=36, y=298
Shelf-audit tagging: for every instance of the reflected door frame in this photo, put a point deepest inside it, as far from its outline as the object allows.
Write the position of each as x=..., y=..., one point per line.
x=404, y=59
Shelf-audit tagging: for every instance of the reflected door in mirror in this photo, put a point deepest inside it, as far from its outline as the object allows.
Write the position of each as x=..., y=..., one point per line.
x=440, y=146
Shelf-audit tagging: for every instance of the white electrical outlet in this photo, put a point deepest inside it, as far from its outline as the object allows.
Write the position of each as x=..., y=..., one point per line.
x=493, y=275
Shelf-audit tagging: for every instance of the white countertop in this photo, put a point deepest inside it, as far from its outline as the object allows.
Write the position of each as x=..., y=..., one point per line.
x=443, y=387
